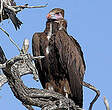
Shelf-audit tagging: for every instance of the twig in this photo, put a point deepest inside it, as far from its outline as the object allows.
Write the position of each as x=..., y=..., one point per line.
x=26, y=6
x=10, y=4
x=94, y=89
x=106, y=103
x=11, y=39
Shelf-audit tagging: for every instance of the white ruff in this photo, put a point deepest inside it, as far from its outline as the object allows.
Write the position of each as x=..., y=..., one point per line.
x=47, y=50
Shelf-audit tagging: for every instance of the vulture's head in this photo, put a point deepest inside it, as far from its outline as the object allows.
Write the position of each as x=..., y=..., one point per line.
x=55, y=14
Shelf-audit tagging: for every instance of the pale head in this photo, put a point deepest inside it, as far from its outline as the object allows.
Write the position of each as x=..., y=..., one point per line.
x=55, y=14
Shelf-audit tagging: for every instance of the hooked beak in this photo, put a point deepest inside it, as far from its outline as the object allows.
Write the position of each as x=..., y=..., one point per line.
x=51, y=16
x=48, y=16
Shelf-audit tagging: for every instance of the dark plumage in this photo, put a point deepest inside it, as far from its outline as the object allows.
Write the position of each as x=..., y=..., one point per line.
x=8, y=13
x=63, y=67
x=2, y=56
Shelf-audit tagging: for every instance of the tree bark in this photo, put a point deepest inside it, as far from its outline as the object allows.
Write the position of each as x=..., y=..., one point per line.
x=47, y=100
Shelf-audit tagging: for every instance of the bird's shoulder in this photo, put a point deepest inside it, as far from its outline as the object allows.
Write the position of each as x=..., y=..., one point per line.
x=77, y=45
x=75, y=42
x=37, y=34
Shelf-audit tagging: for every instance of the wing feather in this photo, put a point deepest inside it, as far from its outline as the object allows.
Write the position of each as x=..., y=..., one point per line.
x=71, y=58
x=36, y=52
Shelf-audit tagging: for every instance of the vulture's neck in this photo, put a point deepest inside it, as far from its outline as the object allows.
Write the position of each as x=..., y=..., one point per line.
x=53, y=26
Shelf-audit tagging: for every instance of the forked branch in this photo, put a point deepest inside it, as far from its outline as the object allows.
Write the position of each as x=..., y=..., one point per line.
x=47, y=100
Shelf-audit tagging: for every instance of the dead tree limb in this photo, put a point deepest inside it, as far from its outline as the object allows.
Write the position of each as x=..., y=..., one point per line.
x=106, y=103
x=26, y=6
x=25, y=64
x=47, y=100
x=10, y=39
x=10, y=4
x=94, y=89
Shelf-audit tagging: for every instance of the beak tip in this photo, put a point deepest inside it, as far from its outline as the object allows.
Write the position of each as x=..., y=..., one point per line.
x=48, y=16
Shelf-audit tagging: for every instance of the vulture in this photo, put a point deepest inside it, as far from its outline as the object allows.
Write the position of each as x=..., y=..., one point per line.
x=9, y=13
x=63, y=67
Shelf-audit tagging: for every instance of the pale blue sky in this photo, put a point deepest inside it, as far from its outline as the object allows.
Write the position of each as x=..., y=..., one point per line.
x=90, y=21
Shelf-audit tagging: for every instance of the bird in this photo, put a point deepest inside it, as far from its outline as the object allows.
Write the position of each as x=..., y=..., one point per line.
x=8, y=13
x=63, y=67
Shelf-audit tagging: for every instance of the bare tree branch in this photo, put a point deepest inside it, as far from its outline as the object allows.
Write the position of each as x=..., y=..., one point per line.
x=106, y=103
x=24, y=64
x=26, y=6
x=47, y=100
x=94, y=89
x=24, y=70
x=25, y=67
x=17, y=8
x=11, y=39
